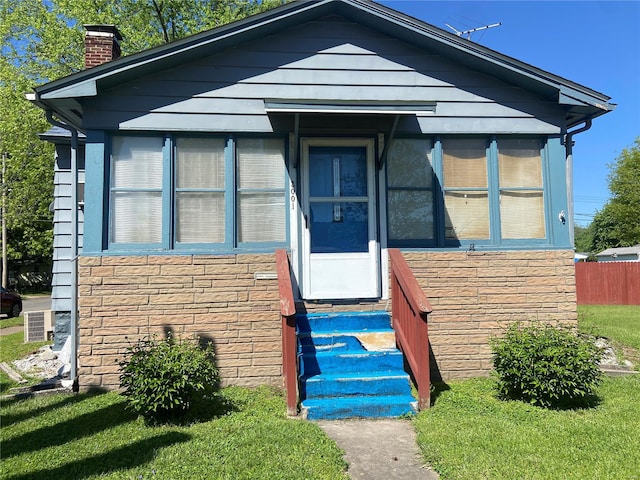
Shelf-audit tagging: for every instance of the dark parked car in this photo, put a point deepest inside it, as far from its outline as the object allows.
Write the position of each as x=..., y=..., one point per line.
x=11, y=303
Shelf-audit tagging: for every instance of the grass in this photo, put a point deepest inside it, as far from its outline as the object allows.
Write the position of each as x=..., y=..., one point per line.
x=244, y=436
x=469, y=434
x=11, y=322
x=620, y=323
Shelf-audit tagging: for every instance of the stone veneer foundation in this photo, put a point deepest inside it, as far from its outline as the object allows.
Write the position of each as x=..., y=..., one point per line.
x=225, y=299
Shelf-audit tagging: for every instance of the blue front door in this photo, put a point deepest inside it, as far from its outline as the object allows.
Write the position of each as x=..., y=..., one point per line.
x=340, y=249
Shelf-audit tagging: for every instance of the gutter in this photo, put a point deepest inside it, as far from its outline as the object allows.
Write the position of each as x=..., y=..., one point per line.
x=74, y=245
x=568, y=143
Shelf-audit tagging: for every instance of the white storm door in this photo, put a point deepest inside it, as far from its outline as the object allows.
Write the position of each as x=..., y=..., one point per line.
x=340, y=250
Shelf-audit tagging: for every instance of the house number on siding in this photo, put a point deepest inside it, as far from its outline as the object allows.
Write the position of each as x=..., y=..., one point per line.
x=293, y=195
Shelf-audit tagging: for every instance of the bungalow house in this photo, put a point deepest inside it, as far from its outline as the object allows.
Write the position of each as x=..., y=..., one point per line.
x=337, y=130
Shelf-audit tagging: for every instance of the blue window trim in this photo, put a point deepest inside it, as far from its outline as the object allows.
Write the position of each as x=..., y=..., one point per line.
x=100, y=158
x=553, y=190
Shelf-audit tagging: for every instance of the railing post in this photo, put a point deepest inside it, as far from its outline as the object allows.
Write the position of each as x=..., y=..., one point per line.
x=287, y=314
x=424, y=382
x=410, y=308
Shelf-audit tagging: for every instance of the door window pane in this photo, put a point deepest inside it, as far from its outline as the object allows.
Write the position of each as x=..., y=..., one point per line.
x=339, y=227
x=337, y=172
x=136, y=190
x=200, y=197
x=261, y=209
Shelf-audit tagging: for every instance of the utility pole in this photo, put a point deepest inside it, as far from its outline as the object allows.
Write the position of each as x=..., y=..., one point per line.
x=5, y=274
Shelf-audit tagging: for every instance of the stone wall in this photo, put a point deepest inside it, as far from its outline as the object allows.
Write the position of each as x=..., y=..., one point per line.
x=476, y=295
x=215, y=297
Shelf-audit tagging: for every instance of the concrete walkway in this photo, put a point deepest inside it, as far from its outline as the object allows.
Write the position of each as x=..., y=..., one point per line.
x=379, y=449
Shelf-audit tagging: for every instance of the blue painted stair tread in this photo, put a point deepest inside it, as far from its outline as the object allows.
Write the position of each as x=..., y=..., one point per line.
x=350, y=367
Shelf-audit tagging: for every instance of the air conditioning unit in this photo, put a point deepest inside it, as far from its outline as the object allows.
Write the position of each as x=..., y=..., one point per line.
x=38, y=326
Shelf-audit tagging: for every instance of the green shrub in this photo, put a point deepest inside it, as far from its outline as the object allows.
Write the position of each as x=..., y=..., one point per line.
x=162, y=378
x=547, y=366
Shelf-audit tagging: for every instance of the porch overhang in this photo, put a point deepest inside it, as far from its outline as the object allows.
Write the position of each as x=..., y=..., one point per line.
x=349, y=107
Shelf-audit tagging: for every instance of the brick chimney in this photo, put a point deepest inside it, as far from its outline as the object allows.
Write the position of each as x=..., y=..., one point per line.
x=101, y=44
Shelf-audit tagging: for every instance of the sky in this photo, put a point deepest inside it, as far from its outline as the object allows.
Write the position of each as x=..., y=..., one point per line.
x=593, y=43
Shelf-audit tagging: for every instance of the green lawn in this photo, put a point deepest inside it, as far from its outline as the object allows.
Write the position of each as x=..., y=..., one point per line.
x=620, y=323
x=469, y=434
x=246, y=436
x=11, y=322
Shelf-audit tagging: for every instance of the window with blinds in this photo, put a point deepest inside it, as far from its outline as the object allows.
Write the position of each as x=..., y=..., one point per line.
x=466, y=188
x=224, y=192
x=521, y=189
x=260, y=190
x=136, y=190
x=410, y=190
x=200, y=190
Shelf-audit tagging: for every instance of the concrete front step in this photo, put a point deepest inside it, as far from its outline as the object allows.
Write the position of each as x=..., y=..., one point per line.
x=341, y=322
x=350, y=367
x=364, y=407
x=354, y=384
x=340, y=362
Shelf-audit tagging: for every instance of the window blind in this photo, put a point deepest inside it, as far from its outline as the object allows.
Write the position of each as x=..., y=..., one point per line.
x=261, y=213
x=136, y=190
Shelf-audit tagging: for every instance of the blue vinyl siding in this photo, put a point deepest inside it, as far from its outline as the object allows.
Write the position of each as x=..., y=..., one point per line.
x=226, y=91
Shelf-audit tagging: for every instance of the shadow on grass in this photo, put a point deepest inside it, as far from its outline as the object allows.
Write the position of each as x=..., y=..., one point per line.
x=34, y=412
x=79, y=426
x=202, y=410
x=437, y=388
x=587, y=403
x=126, y=457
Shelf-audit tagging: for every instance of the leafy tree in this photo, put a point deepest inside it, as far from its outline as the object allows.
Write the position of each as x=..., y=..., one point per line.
x=618, y=223
x=583, y=238
x=43, y=41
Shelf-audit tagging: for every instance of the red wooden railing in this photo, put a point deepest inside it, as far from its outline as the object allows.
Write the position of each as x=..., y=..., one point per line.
x=287, y=314
x=410, y=308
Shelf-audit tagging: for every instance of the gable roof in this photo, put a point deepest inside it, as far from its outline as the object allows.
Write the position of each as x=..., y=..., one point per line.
x=634, y=250
x=61, y=96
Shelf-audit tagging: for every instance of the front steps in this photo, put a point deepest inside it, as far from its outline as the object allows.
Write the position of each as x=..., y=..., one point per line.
x=350, y=367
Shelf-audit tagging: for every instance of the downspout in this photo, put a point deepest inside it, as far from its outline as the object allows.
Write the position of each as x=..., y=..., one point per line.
x=74, y=245
x=568, y=142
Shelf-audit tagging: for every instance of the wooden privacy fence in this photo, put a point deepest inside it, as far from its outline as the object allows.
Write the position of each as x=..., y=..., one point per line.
x=608, y=283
